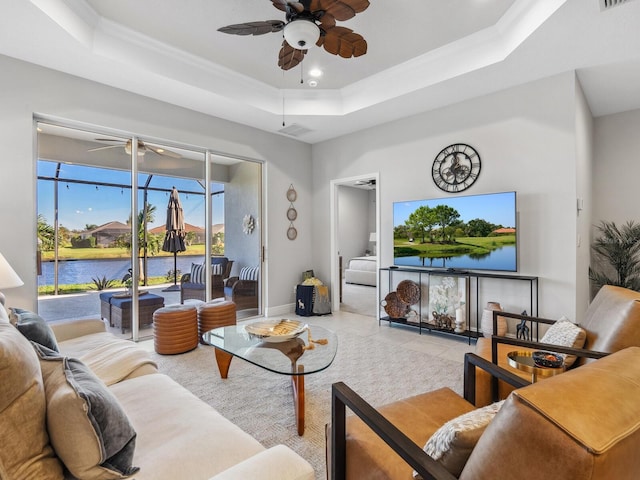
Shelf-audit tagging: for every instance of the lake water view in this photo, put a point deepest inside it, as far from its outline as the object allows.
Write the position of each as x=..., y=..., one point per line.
x=82, y=271
x=501, y=259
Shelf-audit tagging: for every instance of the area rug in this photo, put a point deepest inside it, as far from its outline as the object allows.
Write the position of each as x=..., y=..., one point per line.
x=261, y=403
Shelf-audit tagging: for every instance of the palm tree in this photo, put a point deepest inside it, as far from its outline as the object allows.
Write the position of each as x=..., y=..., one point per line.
x=617, y=253
x=151, y=245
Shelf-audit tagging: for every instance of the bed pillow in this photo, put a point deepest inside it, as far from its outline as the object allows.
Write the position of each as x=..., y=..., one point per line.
x=452, y=444
x=197, y=273
x=34, y=327
x=567, y=334
x=101, y=442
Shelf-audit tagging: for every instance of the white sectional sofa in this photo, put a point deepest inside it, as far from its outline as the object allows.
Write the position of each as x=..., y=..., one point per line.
x=176, y=434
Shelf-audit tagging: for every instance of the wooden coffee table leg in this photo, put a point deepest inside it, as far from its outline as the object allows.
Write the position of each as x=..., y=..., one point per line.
x=223, y=359
x=297, y=382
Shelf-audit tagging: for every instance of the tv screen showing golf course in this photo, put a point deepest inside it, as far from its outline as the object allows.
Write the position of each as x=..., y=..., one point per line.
x=474, y=232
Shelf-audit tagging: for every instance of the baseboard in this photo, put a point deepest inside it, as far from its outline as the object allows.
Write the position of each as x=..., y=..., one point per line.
x=284, y=310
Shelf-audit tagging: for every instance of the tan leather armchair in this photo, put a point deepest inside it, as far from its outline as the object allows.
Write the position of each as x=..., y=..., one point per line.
x=612, y=322
x=581, y=425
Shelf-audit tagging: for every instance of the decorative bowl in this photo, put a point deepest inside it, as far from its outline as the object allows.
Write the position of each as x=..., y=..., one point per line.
x=547, y=359
x=275, y=331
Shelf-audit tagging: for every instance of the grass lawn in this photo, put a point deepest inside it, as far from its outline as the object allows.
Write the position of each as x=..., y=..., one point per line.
x=461, y=246
x=68, y=253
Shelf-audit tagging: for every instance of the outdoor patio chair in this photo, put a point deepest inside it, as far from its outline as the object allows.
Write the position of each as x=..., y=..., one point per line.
x=190, y=289
x=243, y=289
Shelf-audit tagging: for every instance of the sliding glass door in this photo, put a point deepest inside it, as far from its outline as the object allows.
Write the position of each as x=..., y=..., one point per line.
x=112, y=254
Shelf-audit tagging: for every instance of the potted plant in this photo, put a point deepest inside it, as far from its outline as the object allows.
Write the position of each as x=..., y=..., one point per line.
x=616, y=256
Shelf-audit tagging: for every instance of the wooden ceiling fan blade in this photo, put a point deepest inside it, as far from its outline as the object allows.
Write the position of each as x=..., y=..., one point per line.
x=289, y=57
x=344, y=42
x=340, y=9
x=327, y=21
x=253, y=28
x=282, y=5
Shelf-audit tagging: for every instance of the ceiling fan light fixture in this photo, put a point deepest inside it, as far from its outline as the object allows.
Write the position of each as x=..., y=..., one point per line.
x=301, y=34
x=141, y=149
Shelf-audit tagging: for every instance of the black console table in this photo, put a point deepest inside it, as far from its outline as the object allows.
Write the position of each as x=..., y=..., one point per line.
x=423, y=277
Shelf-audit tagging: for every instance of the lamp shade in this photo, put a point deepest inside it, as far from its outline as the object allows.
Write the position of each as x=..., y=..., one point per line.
x=8, y=277
x=301, y=34
x=372, y=237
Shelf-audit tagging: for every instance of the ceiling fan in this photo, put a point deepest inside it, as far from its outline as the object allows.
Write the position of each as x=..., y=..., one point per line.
x=142, y=148
x=309, y=22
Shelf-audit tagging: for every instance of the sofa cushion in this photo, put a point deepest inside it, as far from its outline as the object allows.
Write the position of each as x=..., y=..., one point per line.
x=566, y=334
x=25, y=451
x=34, y=327
x=452, y=444
x=193, y=441
x=197, y=273
x=102, y=441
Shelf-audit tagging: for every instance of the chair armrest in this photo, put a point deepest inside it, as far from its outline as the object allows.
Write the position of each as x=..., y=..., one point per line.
x=473, y=361
x=69, y=329
x=579, y=352
x=342, y=397
x=245, y=287
x=231, y=281
x=185, y=278
x=276, y=463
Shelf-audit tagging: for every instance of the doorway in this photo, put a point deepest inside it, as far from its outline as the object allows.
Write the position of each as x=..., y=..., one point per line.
x=354, y=232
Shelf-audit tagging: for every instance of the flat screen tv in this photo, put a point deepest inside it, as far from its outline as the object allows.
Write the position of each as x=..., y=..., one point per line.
x=473, y=232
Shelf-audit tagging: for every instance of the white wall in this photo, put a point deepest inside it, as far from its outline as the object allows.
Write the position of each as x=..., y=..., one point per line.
x=584, y=200
x=27, y=89
x=526, y=139
x=616, y=197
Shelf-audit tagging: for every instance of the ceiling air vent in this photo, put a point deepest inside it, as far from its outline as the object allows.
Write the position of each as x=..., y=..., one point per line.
x=294, y=130
x=607, y=4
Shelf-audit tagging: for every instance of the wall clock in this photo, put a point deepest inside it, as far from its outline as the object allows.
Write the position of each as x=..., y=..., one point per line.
x=456, y=167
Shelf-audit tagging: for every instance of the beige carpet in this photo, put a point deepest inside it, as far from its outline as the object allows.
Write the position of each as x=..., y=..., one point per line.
x=260, y=402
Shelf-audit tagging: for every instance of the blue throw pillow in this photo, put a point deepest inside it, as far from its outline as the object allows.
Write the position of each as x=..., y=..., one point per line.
x=35, y=328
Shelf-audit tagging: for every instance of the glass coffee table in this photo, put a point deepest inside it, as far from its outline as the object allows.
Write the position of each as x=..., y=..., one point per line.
x=310, y=352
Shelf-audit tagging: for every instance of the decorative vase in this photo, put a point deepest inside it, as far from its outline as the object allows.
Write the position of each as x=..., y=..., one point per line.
x=460, y=324
x=487, y=320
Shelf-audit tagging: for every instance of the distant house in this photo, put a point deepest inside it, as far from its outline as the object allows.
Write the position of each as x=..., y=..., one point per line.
x=107, y=234
x=198, y=231
x=504, y=231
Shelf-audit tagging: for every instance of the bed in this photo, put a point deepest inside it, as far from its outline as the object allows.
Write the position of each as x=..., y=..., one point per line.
x=362, y=271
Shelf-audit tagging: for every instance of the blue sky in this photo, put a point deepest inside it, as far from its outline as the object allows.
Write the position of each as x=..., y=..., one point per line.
x=81, y=204
x=496, y=208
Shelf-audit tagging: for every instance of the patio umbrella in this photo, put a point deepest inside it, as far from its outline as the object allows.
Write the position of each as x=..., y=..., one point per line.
x=174, y=237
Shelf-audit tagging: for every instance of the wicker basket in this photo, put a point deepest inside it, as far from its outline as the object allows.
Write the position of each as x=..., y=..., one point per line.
x=408, y=292
x=394, y=307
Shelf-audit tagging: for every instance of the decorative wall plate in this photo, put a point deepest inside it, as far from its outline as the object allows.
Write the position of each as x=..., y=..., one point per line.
x=292, y=233
x=292, y=214
x=292, y=195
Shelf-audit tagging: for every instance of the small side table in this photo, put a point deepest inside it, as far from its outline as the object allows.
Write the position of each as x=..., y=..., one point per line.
x=523, y=361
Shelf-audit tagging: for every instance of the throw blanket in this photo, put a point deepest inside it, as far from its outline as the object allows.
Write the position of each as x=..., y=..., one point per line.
x=111, y=358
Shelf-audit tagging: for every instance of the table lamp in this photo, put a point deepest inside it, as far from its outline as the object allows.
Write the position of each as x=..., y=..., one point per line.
x=8, y=277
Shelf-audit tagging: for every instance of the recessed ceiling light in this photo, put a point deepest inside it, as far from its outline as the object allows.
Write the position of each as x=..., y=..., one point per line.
x=315, y=72
x=313, y=83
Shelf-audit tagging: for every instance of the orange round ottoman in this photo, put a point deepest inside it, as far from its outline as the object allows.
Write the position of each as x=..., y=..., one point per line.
x=175, y=329
x=214, y=314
